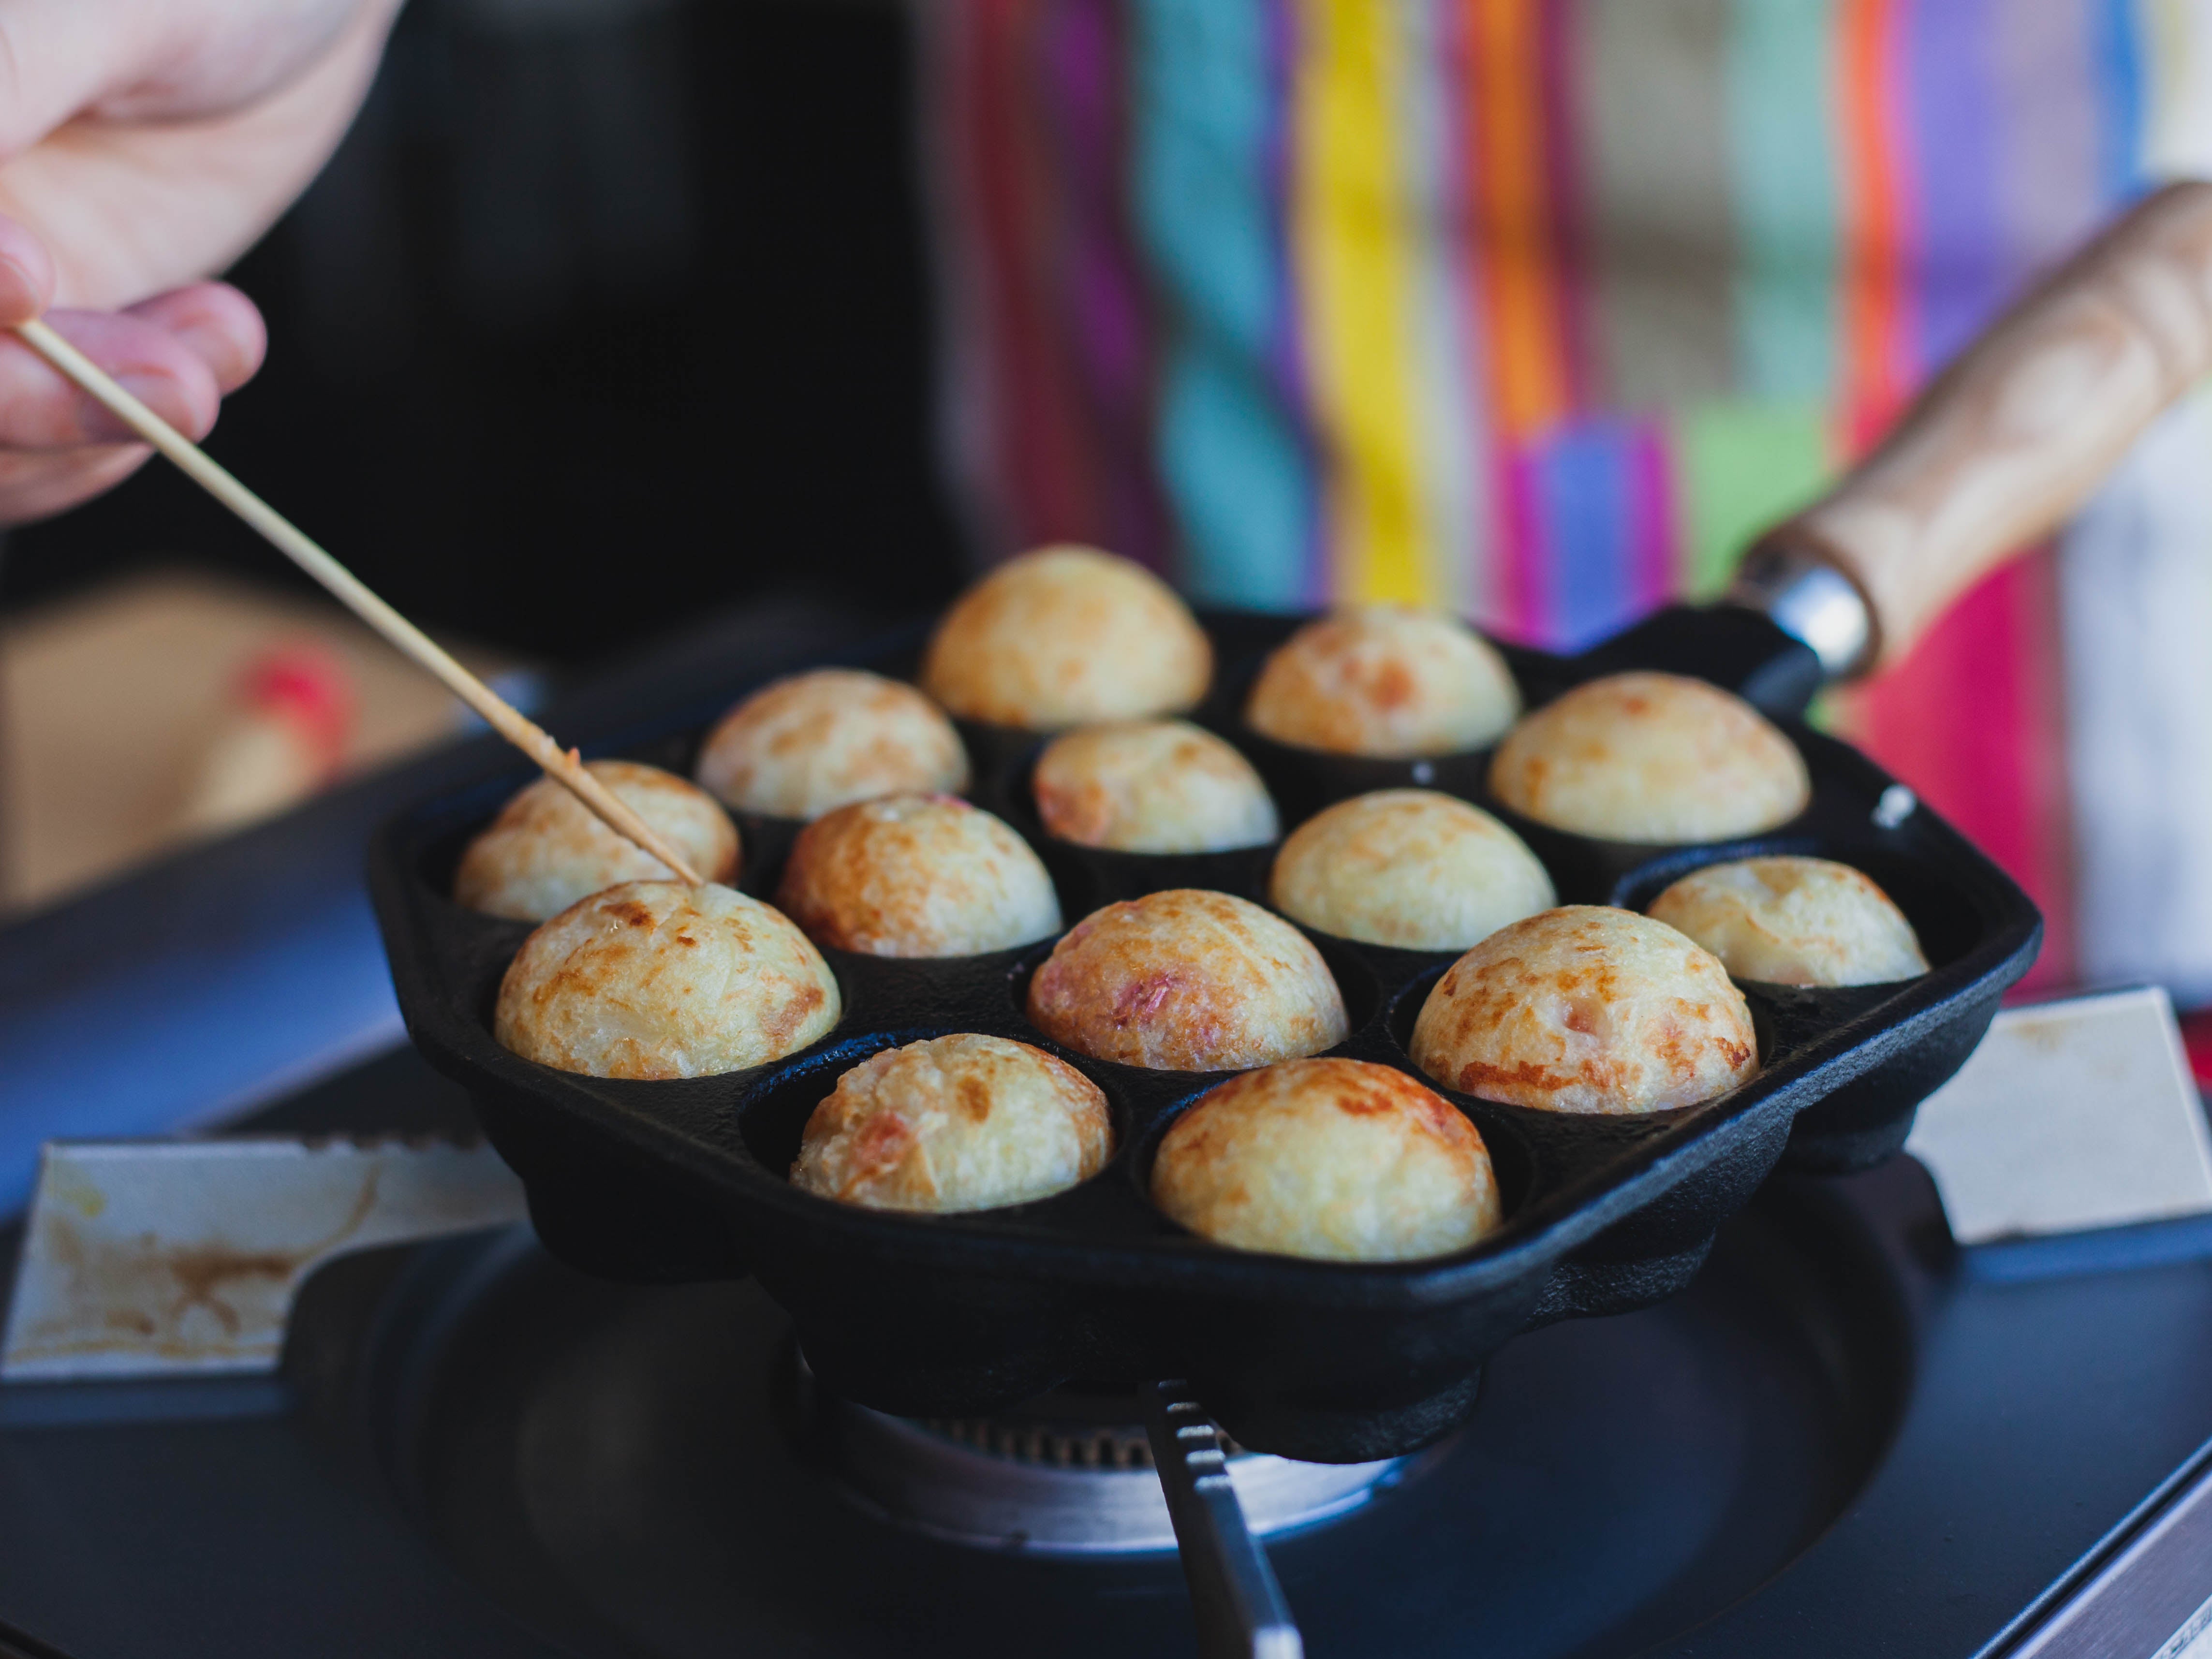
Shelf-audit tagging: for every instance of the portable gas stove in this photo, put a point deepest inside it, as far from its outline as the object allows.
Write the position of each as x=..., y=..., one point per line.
x=1848, y=1437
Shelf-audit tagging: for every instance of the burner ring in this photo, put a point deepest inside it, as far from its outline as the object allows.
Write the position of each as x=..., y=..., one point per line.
x=1069, y=1473
x=1104, y=1446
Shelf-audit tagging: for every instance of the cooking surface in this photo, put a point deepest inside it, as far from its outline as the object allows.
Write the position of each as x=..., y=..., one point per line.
x=490, y=1455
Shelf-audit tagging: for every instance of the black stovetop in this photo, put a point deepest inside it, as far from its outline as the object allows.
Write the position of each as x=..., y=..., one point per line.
x=1849, y=1437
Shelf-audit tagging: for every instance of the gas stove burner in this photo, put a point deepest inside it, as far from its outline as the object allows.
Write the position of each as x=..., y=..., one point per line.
x=1074, y=1446
x=1068, y=1473
x=639, y=1471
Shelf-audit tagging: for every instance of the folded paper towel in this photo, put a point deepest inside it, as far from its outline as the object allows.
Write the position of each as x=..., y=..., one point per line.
x=2074, y=1113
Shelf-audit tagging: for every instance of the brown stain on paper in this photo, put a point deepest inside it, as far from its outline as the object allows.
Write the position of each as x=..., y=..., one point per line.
x=135, y=1296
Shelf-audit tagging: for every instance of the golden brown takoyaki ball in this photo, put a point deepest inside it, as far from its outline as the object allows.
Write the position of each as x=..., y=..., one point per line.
x=1338, y=1159
x=1386, y=680
x=1794, y=921
x=1151, y=786
x=1409, y=868
x=1653, y=758
x=1587, y=1009
x=917, y=876
x=655, y=979
x=954, y=1123
x=1065, y=635
x=546, y=849
x=801, y=747
x=1188, y=981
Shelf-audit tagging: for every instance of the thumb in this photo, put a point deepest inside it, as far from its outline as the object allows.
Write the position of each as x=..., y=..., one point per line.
x=26, y=274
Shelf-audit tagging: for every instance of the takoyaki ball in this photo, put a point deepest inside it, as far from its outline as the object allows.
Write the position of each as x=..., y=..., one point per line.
x=655, y=979
x=1794, y=921
x=1066, y=635
x=1386, y=680
x=1409, y=868
x=1188, y=981
x=1337, y=1159
x=1151, y=786
x=954, y=1123
x=1653, y=758
x=801, y=747
x=916, y=876
x=1587, y=1009
x=546, y=849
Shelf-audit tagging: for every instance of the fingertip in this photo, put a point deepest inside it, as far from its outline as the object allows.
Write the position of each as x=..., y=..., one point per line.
x=218, y=324
x=249, y=325
x=248, y=335
x=41, y=410
x=149, y=362
x=26, y=274
x=187, y=399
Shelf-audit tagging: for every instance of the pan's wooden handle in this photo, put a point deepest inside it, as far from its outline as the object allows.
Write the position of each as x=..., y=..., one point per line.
x=2013, y=435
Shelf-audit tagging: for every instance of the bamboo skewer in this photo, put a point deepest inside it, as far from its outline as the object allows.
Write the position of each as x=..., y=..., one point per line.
x=565, y=766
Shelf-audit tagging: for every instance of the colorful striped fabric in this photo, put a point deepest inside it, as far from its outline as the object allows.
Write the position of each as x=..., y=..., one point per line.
x=1534, y=308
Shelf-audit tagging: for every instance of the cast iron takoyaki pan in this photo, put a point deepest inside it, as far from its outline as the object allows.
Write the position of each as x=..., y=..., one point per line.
x=958, y=1314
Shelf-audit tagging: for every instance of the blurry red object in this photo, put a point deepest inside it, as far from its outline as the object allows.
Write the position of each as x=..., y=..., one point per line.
x=309, y=688
x=2197, y=1037
x=284, y=735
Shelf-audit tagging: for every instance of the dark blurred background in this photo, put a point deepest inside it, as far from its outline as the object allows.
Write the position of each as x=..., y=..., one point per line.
x=608, y=312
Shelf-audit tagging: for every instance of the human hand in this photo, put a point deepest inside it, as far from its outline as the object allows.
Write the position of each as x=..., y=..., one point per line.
x=144, y=143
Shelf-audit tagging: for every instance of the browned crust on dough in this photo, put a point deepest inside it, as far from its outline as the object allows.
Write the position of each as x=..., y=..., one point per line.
x=1379, y=680
x=884, y=1160
x=1029, y=644
x=1594, y=740
x=883, y=737
x=1188, y=981
x=1502, y=1022
x=860, y=879
x=542, y=827
x=631, y=958
x=1087, y=788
